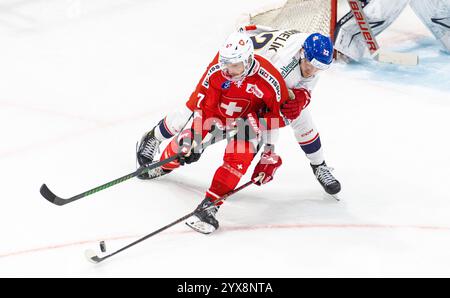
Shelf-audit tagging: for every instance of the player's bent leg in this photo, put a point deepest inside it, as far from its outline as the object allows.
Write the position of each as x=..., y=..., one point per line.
x=170, y=150
x=309, y=140
x=148, y=147
x=166, y=129
x=238, y=157
x=308, y=137
x=173, y=123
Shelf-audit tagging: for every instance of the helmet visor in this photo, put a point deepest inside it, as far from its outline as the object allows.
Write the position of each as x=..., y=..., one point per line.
x=320, y=65
x=313, y=64
x=232, y=70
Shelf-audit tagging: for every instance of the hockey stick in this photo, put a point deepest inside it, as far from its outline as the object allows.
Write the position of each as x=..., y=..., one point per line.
x=209, y=139
x=94, y=258
x=371, y=42
x=52, y=198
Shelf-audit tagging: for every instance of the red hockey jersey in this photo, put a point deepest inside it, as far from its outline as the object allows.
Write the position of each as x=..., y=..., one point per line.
x=261, y=92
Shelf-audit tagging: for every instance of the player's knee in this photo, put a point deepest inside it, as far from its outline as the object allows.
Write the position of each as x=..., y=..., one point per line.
x=169, y=151
x=177, y=119
x=239, y=155
x=237, y=159
x=226, y=178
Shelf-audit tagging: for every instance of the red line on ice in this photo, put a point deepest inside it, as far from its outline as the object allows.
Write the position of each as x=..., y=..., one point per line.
x=64, y=245
x=237, y=228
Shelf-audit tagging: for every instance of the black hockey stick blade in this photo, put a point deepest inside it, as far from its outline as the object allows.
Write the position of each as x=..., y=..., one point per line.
x=92, y=256
x=52, y=198
x=47, y=194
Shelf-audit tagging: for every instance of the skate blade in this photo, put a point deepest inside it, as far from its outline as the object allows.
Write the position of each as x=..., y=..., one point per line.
x=334, y=197
x=199, y=226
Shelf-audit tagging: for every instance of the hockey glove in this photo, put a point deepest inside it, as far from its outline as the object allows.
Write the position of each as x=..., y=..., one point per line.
x=188, y=150
x=266, y=168
x=292, y=108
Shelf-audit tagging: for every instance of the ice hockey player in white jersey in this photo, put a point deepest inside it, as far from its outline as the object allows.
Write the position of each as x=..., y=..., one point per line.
x=299, y=57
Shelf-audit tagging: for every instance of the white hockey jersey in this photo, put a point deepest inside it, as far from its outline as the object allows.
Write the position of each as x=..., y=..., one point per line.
x=282, y=49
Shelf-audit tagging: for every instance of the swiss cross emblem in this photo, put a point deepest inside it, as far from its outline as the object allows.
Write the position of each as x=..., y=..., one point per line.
x=233, y=107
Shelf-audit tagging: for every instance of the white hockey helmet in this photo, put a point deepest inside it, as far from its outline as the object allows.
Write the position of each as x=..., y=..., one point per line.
x=236, y=56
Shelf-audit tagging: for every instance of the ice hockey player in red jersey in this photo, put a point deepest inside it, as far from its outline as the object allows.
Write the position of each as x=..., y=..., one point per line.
x=300, y=58
x=238, y=90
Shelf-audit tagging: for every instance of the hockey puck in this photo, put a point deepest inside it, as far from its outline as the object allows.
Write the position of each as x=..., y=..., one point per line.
x=102, y=246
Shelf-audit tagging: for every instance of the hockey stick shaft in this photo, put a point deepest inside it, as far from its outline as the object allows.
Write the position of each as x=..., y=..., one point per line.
x=52, y=198
x=94, y=258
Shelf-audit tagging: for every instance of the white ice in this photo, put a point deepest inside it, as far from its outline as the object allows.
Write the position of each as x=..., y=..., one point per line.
x=81, y=81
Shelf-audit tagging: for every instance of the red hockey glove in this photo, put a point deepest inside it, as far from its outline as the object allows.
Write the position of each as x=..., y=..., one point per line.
x=266, y=168
x=291, y=108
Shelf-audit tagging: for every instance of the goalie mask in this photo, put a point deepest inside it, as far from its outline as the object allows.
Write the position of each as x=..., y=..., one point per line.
x=236, y=56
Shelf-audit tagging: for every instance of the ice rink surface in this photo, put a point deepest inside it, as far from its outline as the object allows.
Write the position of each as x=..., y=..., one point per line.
x=81, y=81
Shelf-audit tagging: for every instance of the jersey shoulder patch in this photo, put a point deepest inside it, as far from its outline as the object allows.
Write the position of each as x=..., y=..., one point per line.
x=212, y=70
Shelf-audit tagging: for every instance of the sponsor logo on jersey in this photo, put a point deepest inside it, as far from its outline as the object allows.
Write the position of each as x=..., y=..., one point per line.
x=226, y=85
x=255, y=90
x=233, y=107
x=280, y=41
x=212, y=70
x=272, y=81
x=285, y=70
